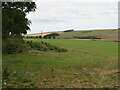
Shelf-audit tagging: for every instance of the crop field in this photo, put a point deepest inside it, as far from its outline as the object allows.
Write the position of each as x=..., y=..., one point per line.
x=86, y=64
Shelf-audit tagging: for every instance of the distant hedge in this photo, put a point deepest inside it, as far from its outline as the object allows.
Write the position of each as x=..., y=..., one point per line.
x=87, y=37
x=69, y=30
x=51, y=35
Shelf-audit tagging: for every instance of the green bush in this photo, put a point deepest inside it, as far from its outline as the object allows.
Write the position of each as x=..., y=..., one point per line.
x=16, y=48
x=12, y=46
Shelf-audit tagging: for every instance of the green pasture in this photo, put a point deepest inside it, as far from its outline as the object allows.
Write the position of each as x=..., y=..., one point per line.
x=86, y=64
x=97, y=33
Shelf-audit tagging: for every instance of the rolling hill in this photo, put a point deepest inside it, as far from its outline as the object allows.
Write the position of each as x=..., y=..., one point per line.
x=106, y=34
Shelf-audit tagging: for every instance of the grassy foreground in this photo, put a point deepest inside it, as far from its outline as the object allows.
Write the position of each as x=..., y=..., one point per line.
x=87, y=64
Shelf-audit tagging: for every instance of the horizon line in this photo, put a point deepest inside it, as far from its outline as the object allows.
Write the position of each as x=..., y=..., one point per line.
x=74, y=30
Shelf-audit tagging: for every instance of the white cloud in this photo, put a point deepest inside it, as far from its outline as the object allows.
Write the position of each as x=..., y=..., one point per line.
x=52, y=16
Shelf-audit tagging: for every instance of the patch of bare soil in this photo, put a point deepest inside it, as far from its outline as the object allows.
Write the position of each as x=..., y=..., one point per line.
x=101, y=71
x=41, y=52
x=107, y=71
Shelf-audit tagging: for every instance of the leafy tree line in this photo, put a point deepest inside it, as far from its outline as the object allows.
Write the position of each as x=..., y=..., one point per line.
x=14, y=18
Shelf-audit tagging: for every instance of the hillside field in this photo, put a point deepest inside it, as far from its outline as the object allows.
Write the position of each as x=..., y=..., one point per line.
x=86, y=64
x=103, y=34
x=107, y=34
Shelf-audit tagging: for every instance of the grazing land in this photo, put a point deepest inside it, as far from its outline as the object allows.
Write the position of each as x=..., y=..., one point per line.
x=111, y=34
x=86, y=64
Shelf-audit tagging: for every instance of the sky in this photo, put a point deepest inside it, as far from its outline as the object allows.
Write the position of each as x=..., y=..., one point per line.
x=54, y=15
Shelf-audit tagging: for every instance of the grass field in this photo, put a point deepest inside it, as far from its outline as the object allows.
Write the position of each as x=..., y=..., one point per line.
x=86, y=64
x=103, y=34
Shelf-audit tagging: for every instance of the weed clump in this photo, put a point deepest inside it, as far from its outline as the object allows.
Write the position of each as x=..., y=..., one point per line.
x=13, y=46
x=43, y=46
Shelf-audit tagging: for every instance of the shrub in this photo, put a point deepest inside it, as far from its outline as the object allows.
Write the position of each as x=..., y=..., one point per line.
x=12, y=46
x=16, y=48
x=23, y=48
x=43, y=46
x=87, y=37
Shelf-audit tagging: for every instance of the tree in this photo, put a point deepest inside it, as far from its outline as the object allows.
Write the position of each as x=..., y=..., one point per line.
x=14, y=20
x=52, y=35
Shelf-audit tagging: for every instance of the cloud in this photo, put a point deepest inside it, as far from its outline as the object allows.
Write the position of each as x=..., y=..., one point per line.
x=48, y=21
x=105, y=13
x=50, y=16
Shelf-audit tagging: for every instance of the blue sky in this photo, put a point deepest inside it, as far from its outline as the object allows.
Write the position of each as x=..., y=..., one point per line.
x=73, y=14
